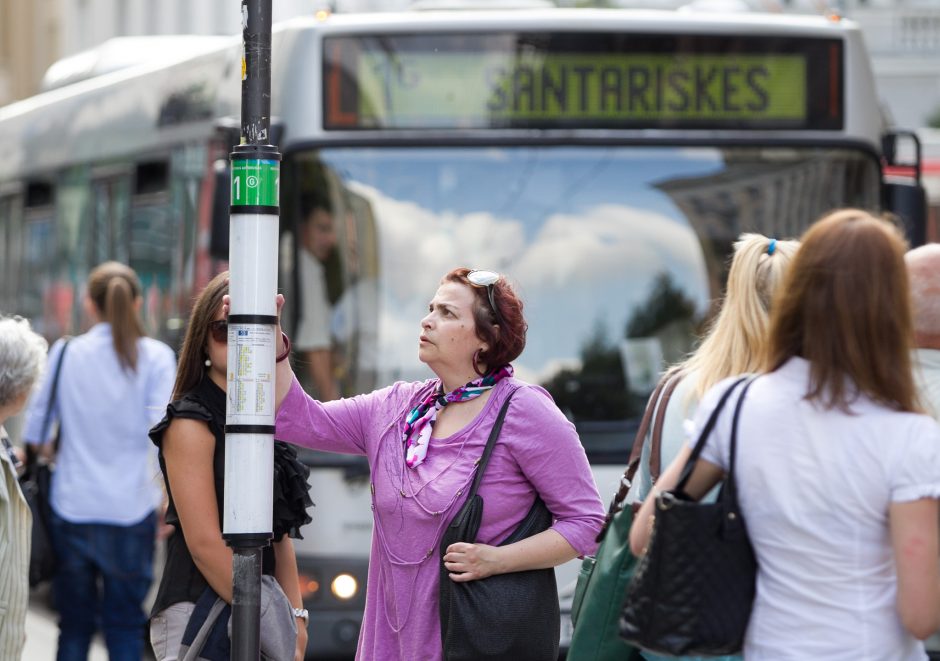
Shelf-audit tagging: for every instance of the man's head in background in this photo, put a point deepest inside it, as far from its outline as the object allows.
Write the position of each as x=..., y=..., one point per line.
x=923, y=268
x=318, y=231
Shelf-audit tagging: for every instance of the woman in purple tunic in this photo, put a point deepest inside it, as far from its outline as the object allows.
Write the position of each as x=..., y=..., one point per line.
x=422, y=441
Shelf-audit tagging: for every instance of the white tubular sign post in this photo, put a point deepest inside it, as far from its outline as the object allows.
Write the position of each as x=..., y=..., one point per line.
x=249, y=420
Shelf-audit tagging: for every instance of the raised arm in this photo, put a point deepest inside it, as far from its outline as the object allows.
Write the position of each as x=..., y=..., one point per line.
x=284, y=373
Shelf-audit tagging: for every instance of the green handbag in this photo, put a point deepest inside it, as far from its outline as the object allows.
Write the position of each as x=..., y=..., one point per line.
x=603, y=578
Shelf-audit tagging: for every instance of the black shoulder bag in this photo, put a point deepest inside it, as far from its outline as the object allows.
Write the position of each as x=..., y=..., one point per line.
x=511, y=617
x=693, y=590
x=36, y=484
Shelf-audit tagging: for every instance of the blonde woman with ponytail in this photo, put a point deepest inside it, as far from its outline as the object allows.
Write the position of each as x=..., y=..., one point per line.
x=733, y=344
x=836, y=469
x=113, y=384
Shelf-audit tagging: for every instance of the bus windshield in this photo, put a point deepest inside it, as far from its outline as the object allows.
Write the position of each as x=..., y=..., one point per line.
x=617, y=251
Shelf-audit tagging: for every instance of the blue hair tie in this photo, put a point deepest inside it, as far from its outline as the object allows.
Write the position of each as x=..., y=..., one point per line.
x=772, y=247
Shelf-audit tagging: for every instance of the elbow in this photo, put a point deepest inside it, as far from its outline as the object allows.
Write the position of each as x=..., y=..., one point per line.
x=921, y=630
x=918, y=601
x=201, y=557
x=205, y=553
x=920, y=623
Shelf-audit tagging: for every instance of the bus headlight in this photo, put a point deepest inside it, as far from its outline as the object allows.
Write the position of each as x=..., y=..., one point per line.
x=309, y=586
x=344, y=586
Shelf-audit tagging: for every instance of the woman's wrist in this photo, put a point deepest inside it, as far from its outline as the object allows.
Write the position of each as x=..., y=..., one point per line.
x=282, y=356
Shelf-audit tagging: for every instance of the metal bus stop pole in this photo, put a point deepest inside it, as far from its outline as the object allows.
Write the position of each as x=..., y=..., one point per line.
x=249, y=420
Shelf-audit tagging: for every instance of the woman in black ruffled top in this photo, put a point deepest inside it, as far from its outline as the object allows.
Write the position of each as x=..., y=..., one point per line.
x=191, y=439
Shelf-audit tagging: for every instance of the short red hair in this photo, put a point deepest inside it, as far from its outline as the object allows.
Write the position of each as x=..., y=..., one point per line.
x=505, y=341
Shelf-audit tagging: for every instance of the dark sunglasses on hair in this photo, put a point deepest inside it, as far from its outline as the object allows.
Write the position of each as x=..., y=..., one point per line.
x=487, y=279
x=218, y=329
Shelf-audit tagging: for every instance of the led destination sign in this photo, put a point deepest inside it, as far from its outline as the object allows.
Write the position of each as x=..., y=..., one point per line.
x=492, y=82
x=644, y=87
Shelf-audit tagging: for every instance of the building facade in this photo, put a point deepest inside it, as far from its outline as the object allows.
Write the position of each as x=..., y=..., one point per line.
x=36, y=33
x=30, y=33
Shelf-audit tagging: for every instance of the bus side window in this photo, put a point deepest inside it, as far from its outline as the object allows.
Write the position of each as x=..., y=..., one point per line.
x=38, y=251
x=154, y=235
x=11, y=223
x=329, y=273
x=110, y=210
x=354, y=319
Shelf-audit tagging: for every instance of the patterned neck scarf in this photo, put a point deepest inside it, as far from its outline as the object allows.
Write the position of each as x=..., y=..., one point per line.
x=419, y=423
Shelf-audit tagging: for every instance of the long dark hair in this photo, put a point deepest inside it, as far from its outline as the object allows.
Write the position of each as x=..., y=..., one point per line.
x=193, y=352
x=114, y=289
x=845, y=308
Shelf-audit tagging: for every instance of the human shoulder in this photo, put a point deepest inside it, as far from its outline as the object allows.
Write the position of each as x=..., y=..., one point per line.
x=910, y=446
x=915, y=427
x=398, y=396
x=714, y=394
x=532, y=407
x=526, y=395
x=196, y=406
x=188, y=439
x=682, y=400
x=406, y=392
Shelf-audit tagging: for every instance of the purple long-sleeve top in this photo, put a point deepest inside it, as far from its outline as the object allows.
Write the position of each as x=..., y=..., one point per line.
x=538, y=452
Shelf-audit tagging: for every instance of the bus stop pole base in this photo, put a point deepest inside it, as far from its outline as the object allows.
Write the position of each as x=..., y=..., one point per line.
x=246, y=603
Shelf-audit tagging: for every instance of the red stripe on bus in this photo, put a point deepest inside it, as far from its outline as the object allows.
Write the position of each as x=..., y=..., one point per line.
x=930, y=167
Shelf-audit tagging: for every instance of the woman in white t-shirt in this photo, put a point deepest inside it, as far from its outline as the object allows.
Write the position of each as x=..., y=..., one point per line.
x=838, y=473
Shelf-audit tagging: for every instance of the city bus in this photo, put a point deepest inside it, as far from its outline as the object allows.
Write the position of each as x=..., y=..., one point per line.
x=930, y=171
x=602, y=160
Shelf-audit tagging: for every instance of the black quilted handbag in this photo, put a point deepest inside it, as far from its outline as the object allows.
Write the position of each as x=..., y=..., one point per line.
x=693, y=589
x=506, y=617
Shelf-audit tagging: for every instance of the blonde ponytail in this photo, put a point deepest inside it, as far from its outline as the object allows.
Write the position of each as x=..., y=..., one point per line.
x=735, y=339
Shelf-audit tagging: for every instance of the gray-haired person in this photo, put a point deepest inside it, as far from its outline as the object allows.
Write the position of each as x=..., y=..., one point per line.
x=22, y=359
x=923, y=269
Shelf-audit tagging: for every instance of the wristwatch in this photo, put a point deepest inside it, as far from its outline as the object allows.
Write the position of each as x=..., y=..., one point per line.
x=302, y=613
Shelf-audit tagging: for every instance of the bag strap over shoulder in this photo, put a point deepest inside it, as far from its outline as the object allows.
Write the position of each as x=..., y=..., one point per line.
x=656, y=438
x=490, y=444
x=30, y=452
x=707, y=430
x=663, y=391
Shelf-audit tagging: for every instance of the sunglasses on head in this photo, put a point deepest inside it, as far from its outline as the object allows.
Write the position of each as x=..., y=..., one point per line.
x=487, y=279
x=218, y=329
